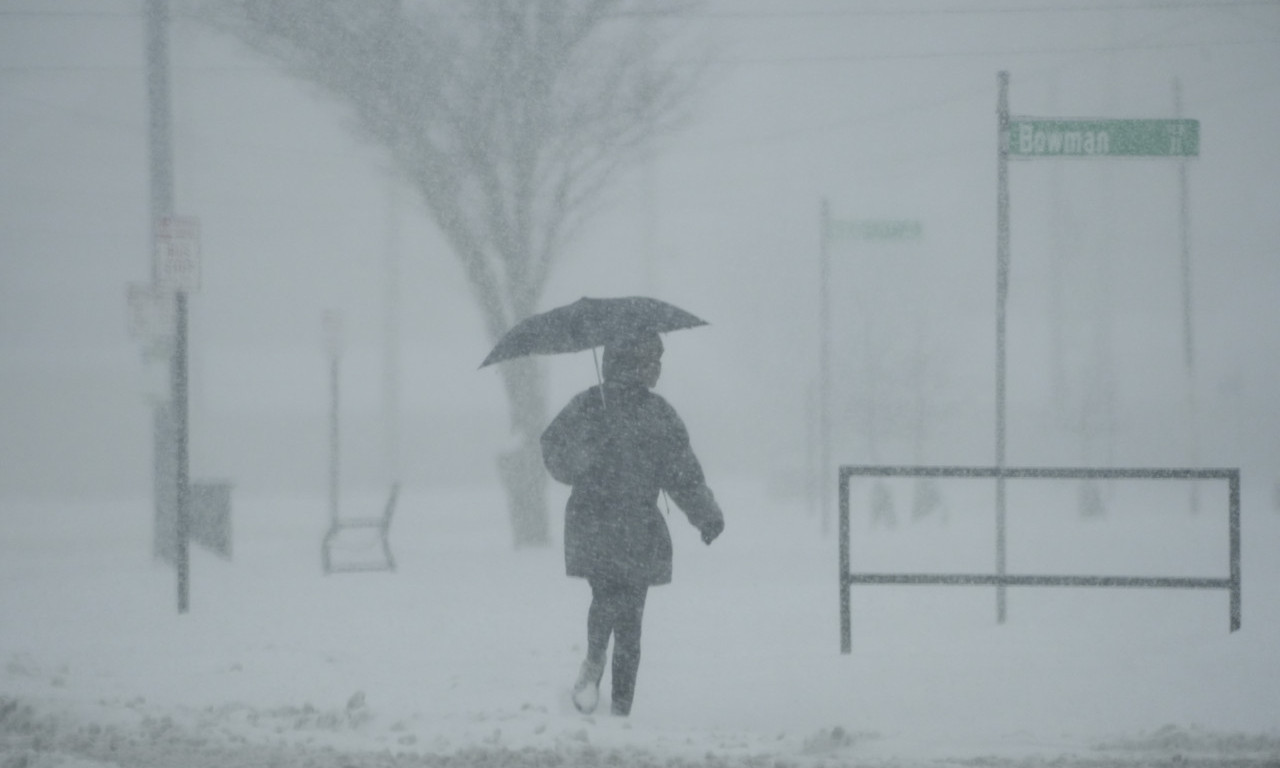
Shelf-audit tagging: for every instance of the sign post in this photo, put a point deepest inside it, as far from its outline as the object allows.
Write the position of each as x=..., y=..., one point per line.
x=1038, y=137
x=1003, y=143
x=1188, y=331
x=177, y=271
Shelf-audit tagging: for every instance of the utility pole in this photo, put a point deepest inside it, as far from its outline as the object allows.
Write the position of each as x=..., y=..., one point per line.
x=160, y=134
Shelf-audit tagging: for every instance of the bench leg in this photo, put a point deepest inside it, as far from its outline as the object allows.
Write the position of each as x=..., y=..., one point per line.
x=386, y=550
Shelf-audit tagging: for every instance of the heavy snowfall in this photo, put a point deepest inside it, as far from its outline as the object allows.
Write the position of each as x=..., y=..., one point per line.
x=880, y=290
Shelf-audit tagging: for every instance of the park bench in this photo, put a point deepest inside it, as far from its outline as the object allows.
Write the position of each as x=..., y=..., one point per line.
x=381, y=525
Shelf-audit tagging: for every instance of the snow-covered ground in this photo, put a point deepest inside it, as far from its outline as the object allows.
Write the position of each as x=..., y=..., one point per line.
x=463, y=657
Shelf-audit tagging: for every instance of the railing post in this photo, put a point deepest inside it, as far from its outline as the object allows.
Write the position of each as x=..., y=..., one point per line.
x=1234, y=485
x=846, y=629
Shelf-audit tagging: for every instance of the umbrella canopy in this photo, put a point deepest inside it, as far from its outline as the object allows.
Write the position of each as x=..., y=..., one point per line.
x=589, y=323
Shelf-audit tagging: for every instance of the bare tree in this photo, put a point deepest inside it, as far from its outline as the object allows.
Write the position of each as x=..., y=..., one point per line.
x=510, y=118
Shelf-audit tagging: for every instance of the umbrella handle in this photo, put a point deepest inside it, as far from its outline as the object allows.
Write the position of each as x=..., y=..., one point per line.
x=599, y=378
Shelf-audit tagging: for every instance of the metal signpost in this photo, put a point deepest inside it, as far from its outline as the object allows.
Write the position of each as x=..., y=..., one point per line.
x=1188, y=336
x=177, y=272
x=1036, y=137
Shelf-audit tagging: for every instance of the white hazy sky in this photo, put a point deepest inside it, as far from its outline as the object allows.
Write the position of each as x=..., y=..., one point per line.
x=886, y=109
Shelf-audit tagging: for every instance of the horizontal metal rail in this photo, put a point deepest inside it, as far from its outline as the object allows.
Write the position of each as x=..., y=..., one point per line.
x=1012, y=580
x=848, y=578
x=1050, y=473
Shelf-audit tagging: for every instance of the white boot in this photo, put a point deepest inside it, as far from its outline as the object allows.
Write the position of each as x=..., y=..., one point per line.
x=586, y=692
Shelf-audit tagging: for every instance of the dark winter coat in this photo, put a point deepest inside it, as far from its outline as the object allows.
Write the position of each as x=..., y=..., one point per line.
x=617, y=454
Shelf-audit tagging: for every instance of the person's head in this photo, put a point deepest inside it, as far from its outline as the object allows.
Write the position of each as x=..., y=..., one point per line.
x=636, y=360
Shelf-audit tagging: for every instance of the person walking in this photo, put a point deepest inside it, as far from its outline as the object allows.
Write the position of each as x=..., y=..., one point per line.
x=618, y=444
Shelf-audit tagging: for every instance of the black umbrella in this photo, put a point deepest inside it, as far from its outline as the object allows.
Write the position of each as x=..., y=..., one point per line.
x=589, y=323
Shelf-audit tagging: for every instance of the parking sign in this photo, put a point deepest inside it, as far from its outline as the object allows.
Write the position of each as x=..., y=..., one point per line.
x=177, y=255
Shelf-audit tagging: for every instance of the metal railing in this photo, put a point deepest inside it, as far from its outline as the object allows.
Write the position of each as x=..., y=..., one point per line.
x=1000, y=579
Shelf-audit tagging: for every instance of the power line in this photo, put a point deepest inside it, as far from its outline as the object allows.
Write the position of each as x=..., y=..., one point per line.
x=818, y=13
x=752, y=61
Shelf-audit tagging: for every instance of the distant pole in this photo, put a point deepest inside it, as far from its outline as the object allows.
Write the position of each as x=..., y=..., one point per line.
x=160, y=134
x=1188, y=330
x=824, y=366
x=333, y=437
x=1002, y=297
x=332, y=325
x=649, y=197
x=1057, y=274
x=649, y=210
x=391, y=335
x=813, y=474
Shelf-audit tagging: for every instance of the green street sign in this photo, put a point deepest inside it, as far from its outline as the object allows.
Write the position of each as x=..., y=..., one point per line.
x=875, y=229
x=1038, y=137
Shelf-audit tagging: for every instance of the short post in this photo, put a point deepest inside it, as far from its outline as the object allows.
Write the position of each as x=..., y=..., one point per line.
x=846, y=620
x=1233, y=484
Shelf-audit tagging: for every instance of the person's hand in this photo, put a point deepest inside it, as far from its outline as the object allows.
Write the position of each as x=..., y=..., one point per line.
x=711, y=530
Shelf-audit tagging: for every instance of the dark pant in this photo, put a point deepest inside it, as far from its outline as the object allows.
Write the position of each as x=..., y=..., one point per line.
x=617, y=608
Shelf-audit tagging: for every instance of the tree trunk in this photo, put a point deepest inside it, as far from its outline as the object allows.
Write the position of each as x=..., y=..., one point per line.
x=521, y=469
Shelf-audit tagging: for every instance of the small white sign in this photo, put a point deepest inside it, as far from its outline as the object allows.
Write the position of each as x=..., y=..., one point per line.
x=178, y=254
x=151, y=312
